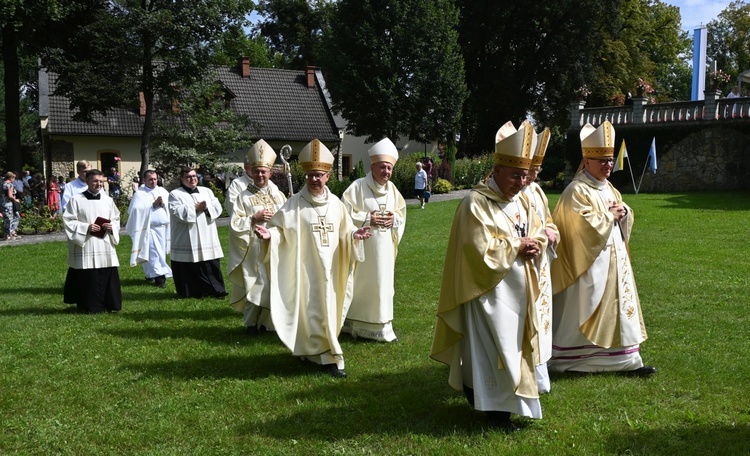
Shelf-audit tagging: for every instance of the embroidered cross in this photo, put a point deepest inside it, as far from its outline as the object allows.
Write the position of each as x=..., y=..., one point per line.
x=382, y=213
x=323, y=228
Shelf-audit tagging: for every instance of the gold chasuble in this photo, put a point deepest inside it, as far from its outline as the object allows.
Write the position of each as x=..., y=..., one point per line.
x=482, y=254
x=590, y=240
x=311, y=256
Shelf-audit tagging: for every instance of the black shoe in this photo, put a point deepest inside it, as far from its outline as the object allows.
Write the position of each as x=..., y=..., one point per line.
x=160, y=281
x=501, y=421
x=333, y=370
x=221, y=294
x=252, y=331
x=641, y=372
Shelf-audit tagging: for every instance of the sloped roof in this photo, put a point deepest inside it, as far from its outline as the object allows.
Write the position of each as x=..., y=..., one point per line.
x=117, y=122
x=278, y=102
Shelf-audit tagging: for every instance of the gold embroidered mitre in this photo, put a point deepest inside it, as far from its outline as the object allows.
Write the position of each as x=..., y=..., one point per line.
x=315, y=156
x=261, y=154
x=513, y=147
x=542, y=141
x=383, y=151
x=598, y=142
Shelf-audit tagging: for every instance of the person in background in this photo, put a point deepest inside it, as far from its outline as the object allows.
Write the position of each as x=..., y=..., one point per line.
x=313, y=245
x=11, y=207
x=735, y=93
x=92, y=226
x=238, y=185
x=597, y=323
x=421, y=184
x=540, y=205
x=196, y=249
x=148, y=226
x=113, y=180
x=53, y=195
x=75, y=186
x=251, y=294
x=376, y=202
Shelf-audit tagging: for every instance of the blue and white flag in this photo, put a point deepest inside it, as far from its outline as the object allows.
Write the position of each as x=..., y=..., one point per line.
x=652, y=156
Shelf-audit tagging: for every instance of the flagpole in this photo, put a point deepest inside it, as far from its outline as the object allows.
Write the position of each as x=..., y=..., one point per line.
x=642, y=174
x=630, y=169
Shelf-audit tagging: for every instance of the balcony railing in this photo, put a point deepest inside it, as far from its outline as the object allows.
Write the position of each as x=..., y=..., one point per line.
x=641, y=113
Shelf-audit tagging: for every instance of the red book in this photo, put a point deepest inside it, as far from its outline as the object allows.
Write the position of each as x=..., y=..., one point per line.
x=99, y=222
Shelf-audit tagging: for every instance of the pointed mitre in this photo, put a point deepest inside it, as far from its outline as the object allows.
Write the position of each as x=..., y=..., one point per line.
x=261, y=154
x=315, y=156
x=383, y=151
x=598, y=142
x=542, y=141
x=513, y=147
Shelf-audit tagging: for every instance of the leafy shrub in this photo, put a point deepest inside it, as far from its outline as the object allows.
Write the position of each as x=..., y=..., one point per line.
x=468, y=172
x=35, y=220
x=442, y=186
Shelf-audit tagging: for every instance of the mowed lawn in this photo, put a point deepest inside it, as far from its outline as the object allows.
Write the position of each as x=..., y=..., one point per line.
x=178, y=377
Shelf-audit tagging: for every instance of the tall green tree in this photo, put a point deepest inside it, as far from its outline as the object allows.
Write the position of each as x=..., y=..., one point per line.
x=198, y=127
x=236, y=43
x=729, y=38
x=394, y=68
x=294, y=30
x=145, y=49
x=525, y=58
x=25, y=29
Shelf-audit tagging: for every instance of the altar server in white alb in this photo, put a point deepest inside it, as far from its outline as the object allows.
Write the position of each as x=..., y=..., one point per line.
x=196, y=248
x=247, y=271
x=77, y=185
x=376, y=202
x=540, y=205
x=148, y=226
x=486, y=328
x=312, y=250
x=597, y=320
x=92, y=226
x=238, y=185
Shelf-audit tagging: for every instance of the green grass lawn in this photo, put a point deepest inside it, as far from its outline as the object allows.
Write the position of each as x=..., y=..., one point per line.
x=178, y=377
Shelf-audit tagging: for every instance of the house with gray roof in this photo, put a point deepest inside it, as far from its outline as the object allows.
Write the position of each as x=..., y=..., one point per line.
x=286, y=106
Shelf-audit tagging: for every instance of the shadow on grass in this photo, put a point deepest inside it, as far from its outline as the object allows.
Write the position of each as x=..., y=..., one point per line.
x=414, y=401
x=731, y=201
x=64, y=309
x=135, y=313
x=21, y=290
x=699, y=439
x=252, y=367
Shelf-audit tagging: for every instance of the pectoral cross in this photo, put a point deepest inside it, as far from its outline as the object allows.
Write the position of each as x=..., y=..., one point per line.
x=382, y=213
x=323, y=228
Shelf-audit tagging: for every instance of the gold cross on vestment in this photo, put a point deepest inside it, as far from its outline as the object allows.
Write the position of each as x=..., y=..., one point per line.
x=382, y=213
x=323, y=228
x=265, y=200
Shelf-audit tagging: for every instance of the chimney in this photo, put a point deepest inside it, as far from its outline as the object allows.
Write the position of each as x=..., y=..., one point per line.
x=142, y=102
x=310, y=77
x=245, y=67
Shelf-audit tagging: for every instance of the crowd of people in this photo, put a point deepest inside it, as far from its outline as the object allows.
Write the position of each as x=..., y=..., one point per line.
x=525, y=291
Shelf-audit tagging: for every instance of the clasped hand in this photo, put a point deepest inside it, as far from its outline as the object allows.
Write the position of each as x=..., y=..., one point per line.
x=529, y=248
x=379, y=219
x=618, y=210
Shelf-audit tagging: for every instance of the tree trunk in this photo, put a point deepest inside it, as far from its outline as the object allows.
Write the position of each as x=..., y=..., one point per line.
x=12, y=99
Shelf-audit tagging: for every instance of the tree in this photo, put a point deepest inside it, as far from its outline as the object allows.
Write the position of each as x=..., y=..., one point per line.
x=394, y=68
x=236, y=43
x=25, y=28
x=145, y=49
x=294, y=30
x=729, y=38
x=199, y=128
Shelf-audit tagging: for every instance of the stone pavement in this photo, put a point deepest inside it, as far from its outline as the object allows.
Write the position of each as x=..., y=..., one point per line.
x=223, y=221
